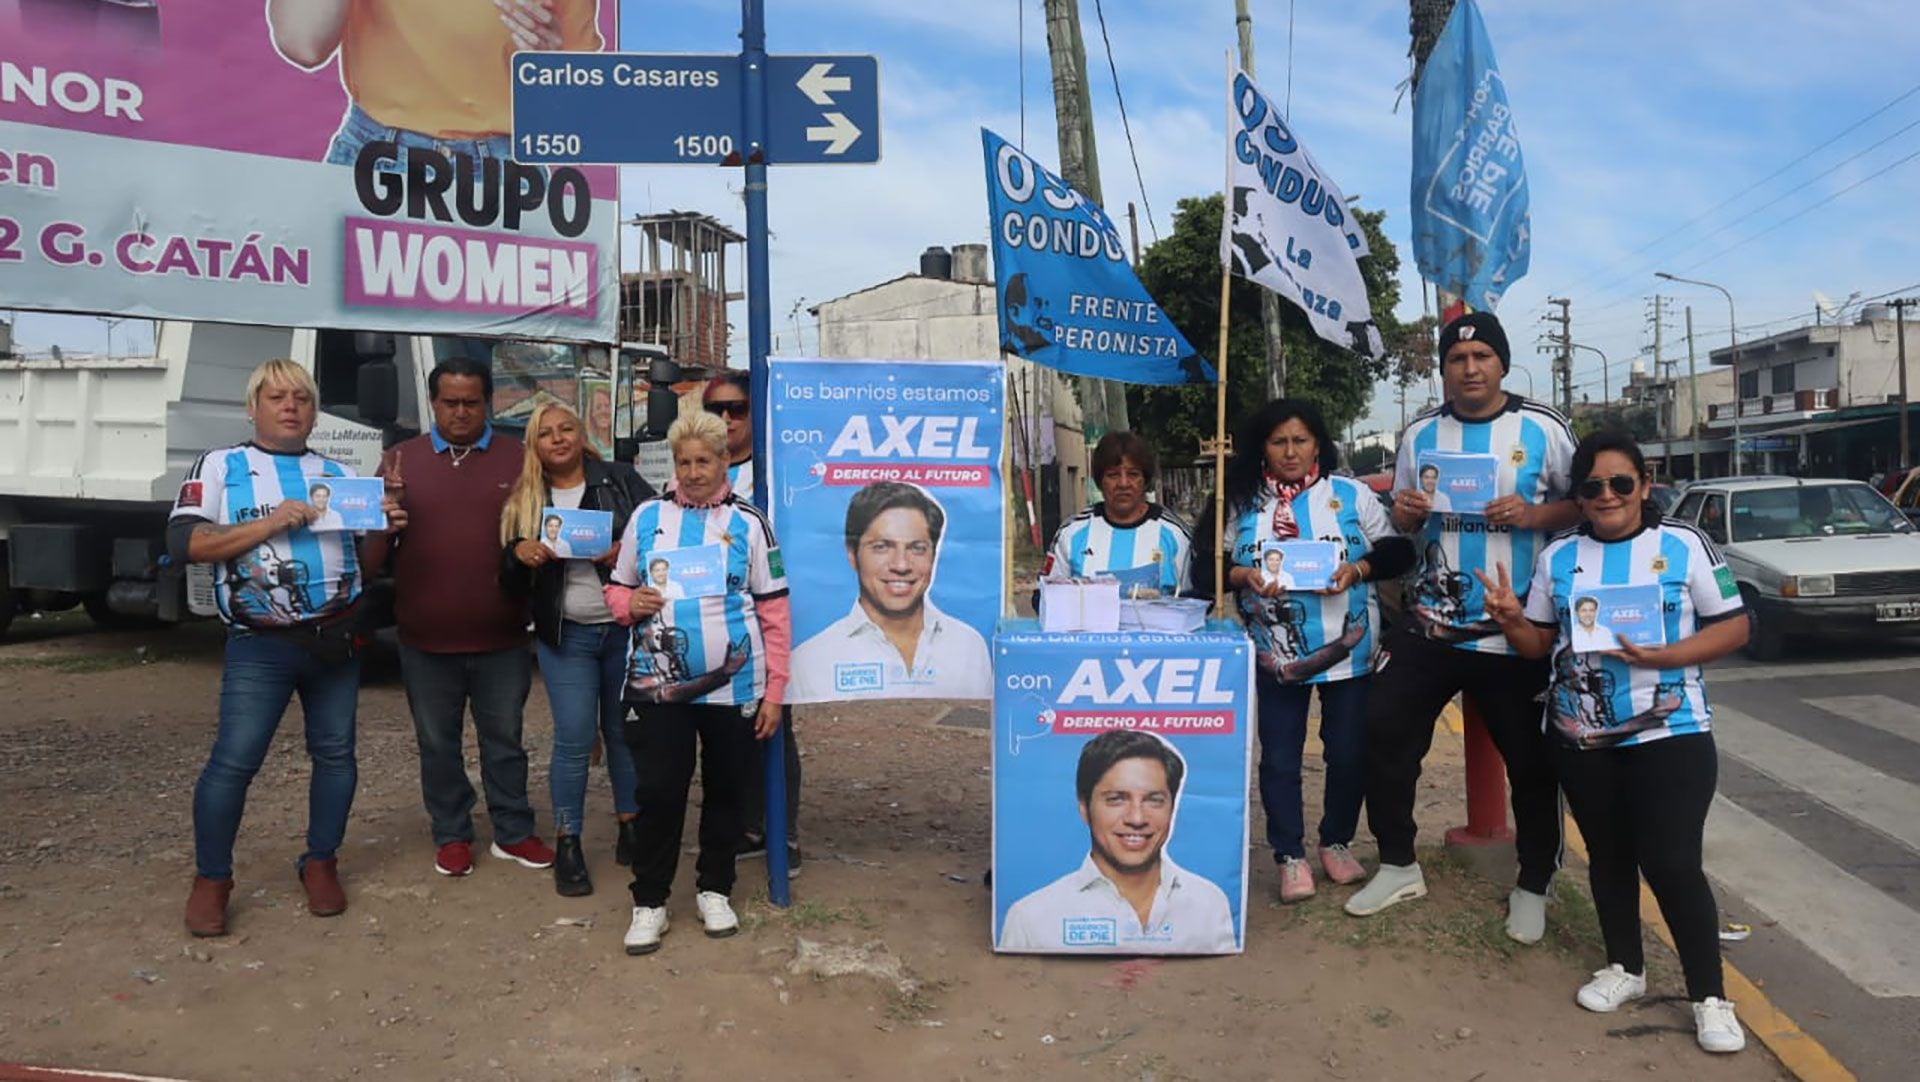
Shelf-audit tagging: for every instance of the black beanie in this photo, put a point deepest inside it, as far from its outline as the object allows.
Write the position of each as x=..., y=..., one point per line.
x=1478, y=327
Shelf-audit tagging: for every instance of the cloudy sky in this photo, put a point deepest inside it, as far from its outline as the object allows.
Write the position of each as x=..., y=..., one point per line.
x=1640, y=121
x=1658, y=136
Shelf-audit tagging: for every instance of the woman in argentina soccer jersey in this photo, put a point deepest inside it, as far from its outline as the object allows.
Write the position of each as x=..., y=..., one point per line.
x=1125, y=535
x=1630, y=725
x=709, y=667
x=290, y=597
x=1282, y=498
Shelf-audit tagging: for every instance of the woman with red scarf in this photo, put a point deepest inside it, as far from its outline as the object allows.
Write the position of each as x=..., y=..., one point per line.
x=1280, y=489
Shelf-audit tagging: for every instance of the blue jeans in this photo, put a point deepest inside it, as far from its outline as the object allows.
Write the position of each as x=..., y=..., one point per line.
x=584, y=679
x=1283, y=740
x=261, y=675
x=440, y=688
x=357, y=129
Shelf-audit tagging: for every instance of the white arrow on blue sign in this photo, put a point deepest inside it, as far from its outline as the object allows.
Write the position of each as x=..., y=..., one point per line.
x=685, y=109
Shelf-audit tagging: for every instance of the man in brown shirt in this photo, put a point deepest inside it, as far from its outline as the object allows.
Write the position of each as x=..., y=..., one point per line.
x=462, y=639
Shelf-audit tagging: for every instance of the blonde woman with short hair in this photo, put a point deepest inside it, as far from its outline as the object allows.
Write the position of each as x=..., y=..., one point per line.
x=288, y=596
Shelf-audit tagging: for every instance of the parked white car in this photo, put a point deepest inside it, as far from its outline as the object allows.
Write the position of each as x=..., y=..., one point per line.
x=1811, y=556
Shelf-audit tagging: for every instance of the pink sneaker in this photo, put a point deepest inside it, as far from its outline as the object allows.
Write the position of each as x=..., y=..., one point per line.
x=530, y=852
x=1340, y=864
x=1296, y=880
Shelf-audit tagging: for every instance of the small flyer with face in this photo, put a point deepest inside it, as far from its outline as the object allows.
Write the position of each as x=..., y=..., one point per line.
x=1604, y=614
x=1298, y=565
x=1458, y=483
x=682, y=573
x=347, y=503
x=576, y=535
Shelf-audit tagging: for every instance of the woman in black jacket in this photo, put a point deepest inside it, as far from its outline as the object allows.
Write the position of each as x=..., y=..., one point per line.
x=582, y=649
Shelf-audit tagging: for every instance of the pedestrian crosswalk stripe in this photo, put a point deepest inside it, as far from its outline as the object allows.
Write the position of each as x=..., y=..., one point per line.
x=1858, y=930
x=1883, y=712
x=1731, y=673
x=1852, y=788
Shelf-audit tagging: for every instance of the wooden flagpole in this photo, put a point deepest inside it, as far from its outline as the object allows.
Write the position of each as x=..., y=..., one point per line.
x=1220, y=389
x=1220, y=453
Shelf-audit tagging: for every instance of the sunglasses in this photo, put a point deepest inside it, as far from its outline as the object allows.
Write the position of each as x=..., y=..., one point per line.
x=728, y=409
x=1622, y=484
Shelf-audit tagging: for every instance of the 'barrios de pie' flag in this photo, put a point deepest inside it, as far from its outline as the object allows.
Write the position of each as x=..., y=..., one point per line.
x=1068, y=298
x=1287, y=227
x=1471, y=229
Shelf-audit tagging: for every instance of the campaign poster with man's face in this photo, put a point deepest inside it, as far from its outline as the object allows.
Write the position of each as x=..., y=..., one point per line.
x=1120, y=800
x=887, y=500
x=294, y=169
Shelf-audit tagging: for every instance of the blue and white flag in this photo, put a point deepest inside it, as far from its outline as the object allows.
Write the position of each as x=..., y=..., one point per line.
x=1471, y=230
x=888, y=502
x=1286, y=225
x=1068, y=298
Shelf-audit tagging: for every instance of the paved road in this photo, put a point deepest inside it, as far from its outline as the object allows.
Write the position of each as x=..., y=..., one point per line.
x=1814, y=839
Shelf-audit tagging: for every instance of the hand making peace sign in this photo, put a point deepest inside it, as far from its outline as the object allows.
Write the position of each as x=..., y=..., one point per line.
x=1501, y=604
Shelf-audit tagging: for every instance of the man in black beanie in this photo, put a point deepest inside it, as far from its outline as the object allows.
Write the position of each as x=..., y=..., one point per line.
x=1449, y=645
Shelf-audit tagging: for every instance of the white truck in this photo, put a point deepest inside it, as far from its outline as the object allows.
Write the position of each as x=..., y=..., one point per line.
x=93, y=450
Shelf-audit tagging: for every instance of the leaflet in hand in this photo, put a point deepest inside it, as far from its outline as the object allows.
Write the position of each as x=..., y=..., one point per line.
x=1601, y=615
x=1458, y=483
x=1298, y=565
x=347, y=503
x=576, y=535
x=695, y=571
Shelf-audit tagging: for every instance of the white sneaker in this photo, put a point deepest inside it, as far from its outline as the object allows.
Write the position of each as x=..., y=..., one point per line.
x=1716, y=1027
x=649, y=924
x=1610, y=989
x=1526, y=916
x=716, y=913
x=1391, y=885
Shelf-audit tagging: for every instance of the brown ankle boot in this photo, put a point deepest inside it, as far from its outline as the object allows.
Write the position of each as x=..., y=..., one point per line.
x=207, y=906
x=322, y=880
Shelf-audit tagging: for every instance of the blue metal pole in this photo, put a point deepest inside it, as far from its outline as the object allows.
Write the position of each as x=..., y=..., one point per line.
x=753, y=65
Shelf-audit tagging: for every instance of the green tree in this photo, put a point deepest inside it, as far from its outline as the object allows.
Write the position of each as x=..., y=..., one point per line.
x=1182, y=272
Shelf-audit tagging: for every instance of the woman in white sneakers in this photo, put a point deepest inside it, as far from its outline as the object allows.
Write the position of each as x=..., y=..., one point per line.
x=709, y=669
x=1629, y=725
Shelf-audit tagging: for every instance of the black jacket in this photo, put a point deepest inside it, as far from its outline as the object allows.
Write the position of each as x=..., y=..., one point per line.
x=611, y=486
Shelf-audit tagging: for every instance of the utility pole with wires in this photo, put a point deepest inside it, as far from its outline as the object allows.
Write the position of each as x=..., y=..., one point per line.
x=1103, y=402
x=1561, y=344
x=1900, y=334
x=1662, y=377
x=1693, y=398
x=1269, y=301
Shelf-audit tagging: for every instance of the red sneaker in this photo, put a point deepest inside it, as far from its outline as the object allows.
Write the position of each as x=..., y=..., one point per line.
x=454, y=859
x=530, y=852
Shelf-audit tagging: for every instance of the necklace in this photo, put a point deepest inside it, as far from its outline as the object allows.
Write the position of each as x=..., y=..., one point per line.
x=458, y=454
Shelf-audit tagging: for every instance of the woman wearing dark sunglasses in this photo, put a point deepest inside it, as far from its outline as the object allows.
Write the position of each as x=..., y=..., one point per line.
x=1630, y=725
x=726, y=397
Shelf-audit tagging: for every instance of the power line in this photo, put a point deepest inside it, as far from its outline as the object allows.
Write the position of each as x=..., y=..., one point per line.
x=1126, y=126
x=1710, y=211
x=1803, y=212
x=1775, y=201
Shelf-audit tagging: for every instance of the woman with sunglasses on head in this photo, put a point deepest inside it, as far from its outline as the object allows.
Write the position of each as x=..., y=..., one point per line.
x=1629, y=726
x=582, y=648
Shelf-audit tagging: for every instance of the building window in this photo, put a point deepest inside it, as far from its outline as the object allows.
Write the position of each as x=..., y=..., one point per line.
x=1782, y=378
x=1749, y=384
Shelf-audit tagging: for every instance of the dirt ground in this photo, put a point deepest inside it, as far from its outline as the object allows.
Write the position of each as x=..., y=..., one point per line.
x=881, y=969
